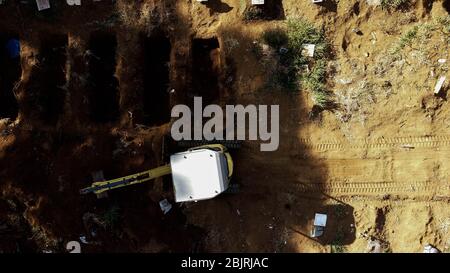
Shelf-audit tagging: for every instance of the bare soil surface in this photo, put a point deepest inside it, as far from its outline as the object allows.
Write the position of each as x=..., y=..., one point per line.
x=93, y=91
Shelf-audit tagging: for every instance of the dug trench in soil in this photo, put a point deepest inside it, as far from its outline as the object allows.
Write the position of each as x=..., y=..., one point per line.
x=103, y=84
x=48, y=78
x=10, y=71
x=271, y=10
x=446, y=5
x=15, y=232
x=428, y=5
x=157, y=49
x=205, y=69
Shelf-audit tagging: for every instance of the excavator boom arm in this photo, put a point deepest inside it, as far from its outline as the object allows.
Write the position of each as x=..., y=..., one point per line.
x=103, y=186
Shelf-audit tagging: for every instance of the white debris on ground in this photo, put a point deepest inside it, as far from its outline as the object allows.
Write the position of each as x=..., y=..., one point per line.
x=430, y=249
x=84, y=240
x=309, y=50
x=439, y=85
x=373, y=2
x=43, y=4
x=374, y=246
x=165, y=206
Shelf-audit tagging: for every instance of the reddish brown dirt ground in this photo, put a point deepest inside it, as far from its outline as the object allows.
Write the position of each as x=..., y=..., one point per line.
x=84, y=107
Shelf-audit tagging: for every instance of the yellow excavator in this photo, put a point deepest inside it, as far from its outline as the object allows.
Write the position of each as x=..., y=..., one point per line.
x=199, y=173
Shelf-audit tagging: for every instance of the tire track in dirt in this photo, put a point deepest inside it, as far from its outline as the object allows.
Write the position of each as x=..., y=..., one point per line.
x=379, y=143
x=408, y=173
x=416, y=188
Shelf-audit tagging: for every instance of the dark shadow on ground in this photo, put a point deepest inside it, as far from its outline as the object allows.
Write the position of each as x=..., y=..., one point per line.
x=217, y=6
x=329, y=5
x=10, y=72
x=446, y=5
x=272, y=201
x=271, y=10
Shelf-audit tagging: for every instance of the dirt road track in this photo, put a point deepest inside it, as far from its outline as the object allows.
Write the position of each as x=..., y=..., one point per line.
x=390, y=142
x=403, y=166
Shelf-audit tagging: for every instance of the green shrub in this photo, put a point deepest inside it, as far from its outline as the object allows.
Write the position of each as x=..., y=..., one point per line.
x=289, y=73
x=406, y=39
x=301, y=32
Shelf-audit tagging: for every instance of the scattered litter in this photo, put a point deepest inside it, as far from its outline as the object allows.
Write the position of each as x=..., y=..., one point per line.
x=439, y=85
x=308, y=50
x=374, y=37
x=430, y=249
x=357, y=31
x=257, y=2
x=266, y=51
x=284, y=50
x=442, y=61
x=238, y=212
x=84, y=240
x=305, y=68
x=13, y=48
x=374, y=246
x=345, y=81
x=407, y=146
x=165, y=206
x=43, y=4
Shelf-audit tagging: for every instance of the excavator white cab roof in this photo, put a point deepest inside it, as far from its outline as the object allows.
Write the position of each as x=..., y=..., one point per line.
x=198, y=174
